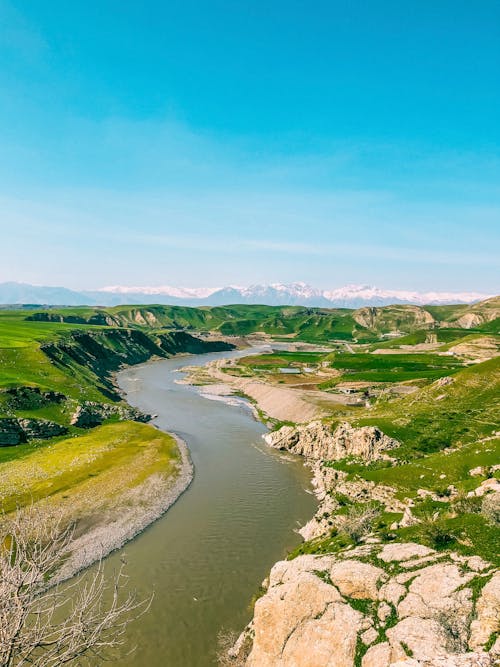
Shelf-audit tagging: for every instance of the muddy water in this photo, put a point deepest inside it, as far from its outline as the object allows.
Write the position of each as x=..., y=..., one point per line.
x=206, y=557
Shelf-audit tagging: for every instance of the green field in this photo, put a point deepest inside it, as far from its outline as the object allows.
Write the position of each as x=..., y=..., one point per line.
x=394, y=367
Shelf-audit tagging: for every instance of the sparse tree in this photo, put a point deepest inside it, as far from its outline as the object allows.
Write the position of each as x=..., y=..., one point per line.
x=46, y=624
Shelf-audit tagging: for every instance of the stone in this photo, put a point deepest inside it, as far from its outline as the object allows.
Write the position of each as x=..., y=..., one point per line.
x=477, y=564
x=490, y=485
x=487, y=619
x=422, y=636
x=286, y=606
x=357, y=580
x=434, y=589
x=36, y=429
x=384, y=611
x=326, y=642
x=392, y=592
x=369, y=636
x=377, y=656
x=288, y=570
x=407, y=519
x=303, y=622
x=396, y=551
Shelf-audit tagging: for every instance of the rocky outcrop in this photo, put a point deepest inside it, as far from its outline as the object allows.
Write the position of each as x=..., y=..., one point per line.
x=39, y=429
x=328, y=483
x=342, y=610
x=322, y=441
x=17, y=431
x=394, y=318
x=91, y=414
x=11, y=433
x=29, y=398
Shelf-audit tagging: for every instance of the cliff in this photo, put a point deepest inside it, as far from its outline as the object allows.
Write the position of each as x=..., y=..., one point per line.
x=322, y=441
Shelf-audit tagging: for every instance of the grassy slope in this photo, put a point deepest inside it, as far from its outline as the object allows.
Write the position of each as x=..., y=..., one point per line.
x=308, y=324
x=445, y=432
x=76, y=360
x=441, y=416
x=108, y=460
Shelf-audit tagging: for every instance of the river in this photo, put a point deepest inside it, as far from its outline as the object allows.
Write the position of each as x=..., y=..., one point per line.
x=205, y=558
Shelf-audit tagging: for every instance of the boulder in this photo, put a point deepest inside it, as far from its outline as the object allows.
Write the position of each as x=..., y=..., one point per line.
x=283, y=610
x=423, y=638
x=396, y=551
x=435, y=590
x=357, y=580
x=329, y=641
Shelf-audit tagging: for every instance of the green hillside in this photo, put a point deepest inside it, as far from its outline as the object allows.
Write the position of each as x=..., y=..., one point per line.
x=306, y=324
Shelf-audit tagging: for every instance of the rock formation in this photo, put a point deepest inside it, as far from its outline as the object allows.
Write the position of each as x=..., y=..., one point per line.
x=413, y=608
x=321, y=441
x=16, y=431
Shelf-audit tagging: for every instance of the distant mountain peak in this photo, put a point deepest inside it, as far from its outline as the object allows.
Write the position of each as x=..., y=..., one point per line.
x=274, y=294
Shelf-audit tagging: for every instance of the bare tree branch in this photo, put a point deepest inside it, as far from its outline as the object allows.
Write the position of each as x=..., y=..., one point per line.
x=44, y=625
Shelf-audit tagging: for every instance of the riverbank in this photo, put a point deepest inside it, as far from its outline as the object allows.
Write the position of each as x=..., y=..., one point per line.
x=110, y=484
x=133, y=512
x=274, y=402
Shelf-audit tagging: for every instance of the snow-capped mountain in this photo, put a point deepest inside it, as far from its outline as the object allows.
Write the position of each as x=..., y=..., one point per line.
x=274, y=294
x=177, y=292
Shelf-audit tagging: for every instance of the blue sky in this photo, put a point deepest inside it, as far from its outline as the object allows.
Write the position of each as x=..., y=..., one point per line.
x=207, y=143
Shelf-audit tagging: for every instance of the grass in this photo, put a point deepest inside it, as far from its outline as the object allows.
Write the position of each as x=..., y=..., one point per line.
x=436, y=417
x=109, y=459
x=394, y=368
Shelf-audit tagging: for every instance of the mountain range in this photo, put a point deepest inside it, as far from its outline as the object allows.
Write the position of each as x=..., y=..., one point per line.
x=274, y=294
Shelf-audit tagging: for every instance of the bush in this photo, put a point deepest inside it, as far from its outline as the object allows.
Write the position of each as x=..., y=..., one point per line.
x=490, y=508
x=466, y=505
x=436, y=535
x=358, y=520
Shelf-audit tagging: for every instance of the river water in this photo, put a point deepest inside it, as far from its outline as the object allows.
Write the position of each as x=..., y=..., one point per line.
x=205, y=558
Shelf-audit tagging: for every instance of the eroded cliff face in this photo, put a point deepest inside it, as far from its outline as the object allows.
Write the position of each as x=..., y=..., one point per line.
x=401, y=604
x=322, y=441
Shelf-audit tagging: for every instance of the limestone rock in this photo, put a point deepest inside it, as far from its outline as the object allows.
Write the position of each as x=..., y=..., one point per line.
x=487, y=613
x=329, y=641
x=489, y=485
x=422, y=636
x=369, y=636
x=396, y=551
x=383, y=612
x=288, y=609
x=392, y=592
x=377, y=656
x=91, y=414
x=17, y=431
x=434, y=591
x=357, y=580
x=318, y=440
x=35, y=429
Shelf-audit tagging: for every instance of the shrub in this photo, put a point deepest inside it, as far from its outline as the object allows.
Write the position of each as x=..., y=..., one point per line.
x=358, y=520
x=490, y=508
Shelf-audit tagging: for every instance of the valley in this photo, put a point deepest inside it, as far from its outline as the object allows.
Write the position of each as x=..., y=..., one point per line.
x=393, y=409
